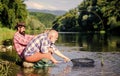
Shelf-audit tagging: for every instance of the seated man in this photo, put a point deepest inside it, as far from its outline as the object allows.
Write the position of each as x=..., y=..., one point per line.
x=21, y=39
x=42, y=46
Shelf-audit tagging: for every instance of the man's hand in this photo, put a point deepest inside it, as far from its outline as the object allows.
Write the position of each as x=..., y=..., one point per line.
x=66, y=59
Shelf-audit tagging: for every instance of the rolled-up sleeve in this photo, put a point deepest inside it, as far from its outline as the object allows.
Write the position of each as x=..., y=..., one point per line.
x=54, y=47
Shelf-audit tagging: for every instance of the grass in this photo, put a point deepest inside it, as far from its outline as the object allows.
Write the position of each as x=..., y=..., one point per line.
x=8, y=66
x=7, y=60
x=6, y=33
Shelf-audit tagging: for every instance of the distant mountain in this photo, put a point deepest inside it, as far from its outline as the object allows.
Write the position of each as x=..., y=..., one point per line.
x=55, y=12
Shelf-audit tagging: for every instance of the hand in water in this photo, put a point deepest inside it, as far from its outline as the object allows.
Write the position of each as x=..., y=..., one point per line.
x=66, y=59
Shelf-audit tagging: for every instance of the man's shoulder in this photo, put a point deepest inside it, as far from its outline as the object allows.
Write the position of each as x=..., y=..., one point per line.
x=42, y=35
x=15, y=34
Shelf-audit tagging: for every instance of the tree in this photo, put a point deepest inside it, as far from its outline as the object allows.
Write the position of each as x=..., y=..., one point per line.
x=67, y=21
x=91, y=15
x=11, y=12
x=110, y=13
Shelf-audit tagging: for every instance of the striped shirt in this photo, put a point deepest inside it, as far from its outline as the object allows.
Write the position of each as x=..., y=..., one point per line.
x=21, y=41
x=39, y=44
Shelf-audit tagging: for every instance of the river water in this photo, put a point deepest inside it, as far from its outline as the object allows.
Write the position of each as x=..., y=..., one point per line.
x=103, y=49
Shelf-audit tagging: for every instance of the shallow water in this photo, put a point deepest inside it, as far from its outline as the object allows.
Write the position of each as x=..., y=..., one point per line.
x=110, y=67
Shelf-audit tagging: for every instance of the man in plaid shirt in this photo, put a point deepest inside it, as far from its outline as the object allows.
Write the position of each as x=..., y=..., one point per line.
x=21, y=39
x=42, y=46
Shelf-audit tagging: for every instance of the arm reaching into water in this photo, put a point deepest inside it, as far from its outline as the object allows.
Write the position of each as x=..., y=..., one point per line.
x=66, y=59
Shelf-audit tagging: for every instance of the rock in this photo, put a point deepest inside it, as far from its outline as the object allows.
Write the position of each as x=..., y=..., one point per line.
x=27, y=64
x=5, y=48
x=9, y=48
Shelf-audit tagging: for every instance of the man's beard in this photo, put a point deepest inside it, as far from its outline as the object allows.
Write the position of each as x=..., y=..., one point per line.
x=23, y=33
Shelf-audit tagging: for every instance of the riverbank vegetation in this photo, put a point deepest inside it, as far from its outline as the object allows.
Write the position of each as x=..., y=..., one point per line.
x=8, y=61
x=6, y=34
x=91, y=16
x=88, y=16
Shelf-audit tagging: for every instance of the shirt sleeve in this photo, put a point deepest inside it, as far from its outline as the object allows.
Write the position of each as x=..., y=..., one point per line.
x=22, y=40
x=54, y=47
x=29, y=37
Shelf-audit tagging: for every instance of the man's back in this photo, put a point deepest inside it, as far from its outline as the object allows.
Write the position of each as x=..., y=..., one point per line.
x=35, y=44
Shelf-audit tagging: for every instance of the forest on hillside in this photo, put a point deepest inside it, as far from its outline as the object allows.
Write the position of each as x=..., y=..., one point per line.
x=44, y=18
x=91, y=16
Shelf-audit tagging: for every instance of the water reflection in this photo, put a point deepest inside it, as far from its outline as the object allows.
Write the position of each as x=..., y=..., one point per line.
x=33, y=72
x=91, y=42
x=62, y=70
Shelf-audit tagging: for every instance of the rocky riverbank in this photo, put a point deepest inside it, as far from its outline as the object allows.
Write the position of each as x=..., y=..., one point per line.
x=4, y=48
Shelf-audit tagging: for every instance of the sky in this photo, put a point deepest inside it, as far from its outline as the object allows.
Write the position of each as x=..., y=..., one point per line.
x=52, y=4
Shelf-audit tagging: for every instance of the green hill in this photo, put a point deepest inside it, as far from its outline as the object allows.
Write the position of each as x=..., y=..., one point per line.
x=54, y=12
x=44, y=18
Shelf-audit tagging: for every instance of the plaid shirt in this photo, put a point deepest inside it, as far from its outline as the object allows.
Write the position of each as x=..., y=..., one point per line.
x=20, y=42
x=39, y=44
